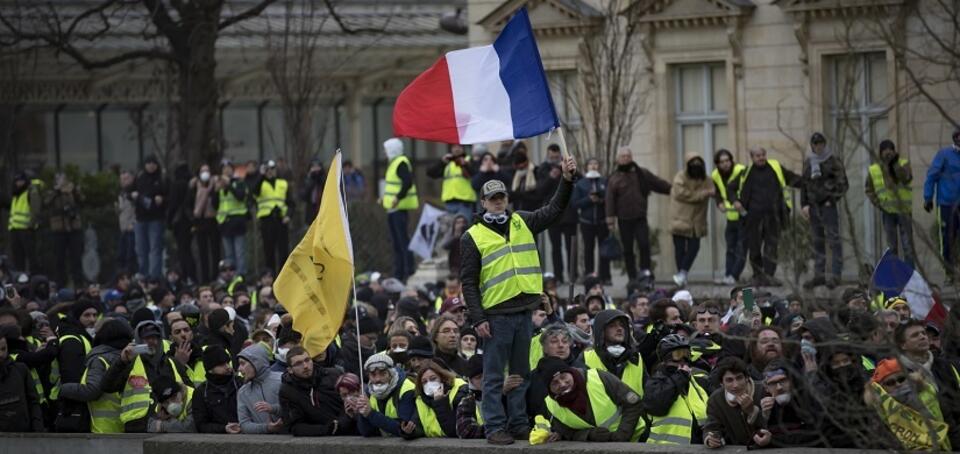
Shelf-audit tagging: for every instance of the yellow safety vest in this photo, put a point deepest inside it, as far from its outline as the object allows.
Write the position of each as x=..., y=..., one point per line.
x=20, y=218
x=272, y=197
x=187, y=401
x=676, y=427
x=632, y=373
x=536, y=351
x=390, y=408
x=605, y=412
x=778, y=170
x=393, y=184
x=428, y=418
x=55, y=385
x=105, y=411
x=915, y=431
x=135, y=399
x=455, y=185
x=232, y=286
x=35, y=376
x=896, y=200
x=507, y=269
x=732, y=214
x=229, y=206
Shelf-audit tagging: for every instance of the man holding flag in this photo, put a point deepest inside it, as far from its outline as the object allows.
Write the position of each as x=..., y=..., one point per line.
x=480, y=95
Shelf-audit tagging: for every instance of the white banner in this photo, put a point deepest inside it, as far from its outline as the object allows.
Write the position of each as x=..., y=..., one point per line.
x=427, y=231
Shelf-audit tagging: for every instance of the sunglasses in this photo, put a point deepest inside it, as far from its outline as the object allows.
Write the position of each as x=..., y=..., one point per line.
x=895, y=381
x=704, y=310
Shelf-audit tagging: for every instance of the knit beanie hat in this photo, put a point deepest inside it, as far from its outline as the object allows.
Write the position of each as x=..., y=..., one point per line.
x=218, y=319
x=550, y=367
x=420, y=347
x=213, y=356
x=79, y=307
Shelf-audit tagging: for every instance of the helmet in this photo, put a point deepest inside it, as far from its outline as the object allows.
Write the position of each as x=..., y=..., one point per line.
x=670, y=343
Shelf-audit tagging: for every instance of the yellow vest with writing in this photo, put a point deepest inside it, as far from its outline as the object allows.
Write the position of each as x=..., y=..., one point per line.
x=897, y=199
x=135, y=398
x=605, y=411
x=105, y=411
x=915, y=431
x=392, y=187
x=507, y=269
x=732, y=214
x=676, y=427
x=455, y=185
x=632, y=373
x=428, y=417
x=272, y=196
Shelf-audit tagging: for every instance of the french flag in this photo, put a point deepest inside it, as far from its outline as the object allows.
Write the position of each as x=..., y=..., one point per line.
x=481, y=94
x=894, y=277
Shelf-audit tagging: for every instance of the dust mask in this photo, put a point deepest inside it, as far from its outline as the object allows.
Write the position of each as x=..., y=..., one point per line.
x=616, y=350
x=732, y=398
x=432, y=387
x=783, y=399
x=204, y=176
x=174, y=408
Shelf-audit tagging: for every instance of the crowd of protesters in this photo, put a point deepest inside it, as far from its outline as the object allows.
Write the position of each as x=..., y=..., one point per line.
x=157, y=351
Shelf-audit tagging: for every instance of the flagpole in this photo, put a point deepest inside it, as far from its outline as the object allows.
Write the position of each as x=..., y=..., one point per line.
x=353, y=278
x=563, y=142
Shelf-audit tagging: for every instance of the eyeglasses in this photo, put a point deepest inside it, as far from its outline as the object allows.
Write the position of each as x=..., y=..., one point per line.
x=895, y=381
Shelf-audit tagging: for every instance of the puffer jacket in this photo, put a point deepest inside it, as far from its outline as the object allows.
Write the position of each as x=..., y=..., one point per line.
x=265, y=387
x=689, y=203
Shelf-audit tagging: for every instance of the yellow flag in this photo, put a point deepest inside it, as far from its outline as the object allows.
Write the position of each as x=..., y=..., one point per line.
x=314, y=284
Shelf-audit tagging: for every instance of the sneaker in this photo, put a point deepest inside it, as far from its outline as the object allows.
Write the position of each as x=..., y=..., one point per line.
x=521, y=435
x=678, y=279
x=815, y=282
x=718, y=280
x=500, y=437
x=729, y=280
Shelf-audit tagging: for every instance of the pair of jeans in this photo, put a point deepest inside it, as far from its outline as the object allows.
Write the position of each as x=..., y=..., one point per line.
x=685, y=251
x=69, y=252
x=275, y=239
x=235, y=250
x=630, y=230
x=507, y=351
x=736, y=249
x=149, y=236
x=400, y=238
x=208, y=246
x=899, y=225
x=825, y=232
x=464, y=209
x=560, y=234
x=949, y=217
x=127, y=252
x=762, y=232
x=23, y=251
x=593, y=236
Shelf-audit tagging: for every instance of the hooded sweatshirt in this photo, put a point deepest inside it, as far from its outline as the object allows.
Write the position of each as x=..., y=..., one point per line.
x=614, y=364
x=689, y=201
x=265, y=387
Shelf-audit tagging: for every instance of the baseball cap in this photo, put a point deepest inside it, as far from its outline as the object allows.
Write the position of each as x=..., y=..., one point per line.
x=451, y=304
x=493, y=187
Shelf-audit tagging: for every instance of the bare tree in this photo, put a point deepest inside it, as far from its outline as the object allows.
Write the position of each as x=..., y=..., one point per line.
x=611, y=98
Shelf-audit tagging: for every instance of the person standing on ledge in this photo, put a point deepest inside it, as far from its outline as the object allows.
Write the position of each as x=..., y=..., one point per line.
x=502, y=284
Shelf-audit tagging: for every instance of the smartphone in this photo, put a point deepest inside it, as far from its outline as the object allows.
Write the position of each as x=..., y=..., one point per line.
x=141, y=349
x=748, y=299
x=10, y=291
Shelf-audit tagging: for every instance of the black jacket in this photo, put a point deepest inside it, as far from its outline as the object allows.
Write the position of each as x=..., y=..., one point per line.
x=19, y=402
x=760, y=192
x=829, y=187
x=312, y=407
x=74, y=415
x=148, y=186
x=537, y=221
x=214, y=406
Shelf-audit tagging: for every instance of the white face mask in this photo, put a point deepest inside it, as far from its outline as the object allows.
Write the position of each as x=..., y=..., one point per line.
x=616, y=350
x=378, y=388
x=592, y=174
x=399, y=349
x=91, y=331
x=730, y=397
x=174, y=408
x=204, y=176
x=282, y=354
x=432, y=387
x=783, y=399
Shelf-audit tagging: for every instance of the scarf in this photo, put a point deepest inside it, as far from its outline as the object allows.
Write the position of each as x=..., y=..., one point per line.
x=394, y=380
x=577, y=399
x=817, y=159
x=524, y=180
x=925, y=368
x=580, y=336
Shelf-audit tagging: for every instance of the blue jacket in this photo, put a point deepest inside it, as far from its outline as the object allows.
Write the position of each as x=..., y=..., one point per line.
x=370, y=426
x=590, y=213
x=943, y=176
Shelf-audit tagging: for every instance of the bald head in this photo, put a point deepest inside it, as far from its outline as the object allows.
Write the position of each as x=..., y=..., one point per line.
x=759, y=156
x=624, y=156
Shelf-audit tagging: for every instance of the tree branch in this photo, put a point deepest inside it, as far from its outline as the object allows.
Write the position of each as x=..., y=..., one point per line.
x=252, y=12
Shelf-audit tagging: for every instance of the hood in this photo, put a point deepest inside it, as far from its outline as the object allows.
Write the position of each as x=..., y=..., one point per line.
x=689, y=156
x=821, y=328
x=257, y=355
x=393, y=147
x=113, y=331
x=101, y=350
x=136, y=331
x=604, y=318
